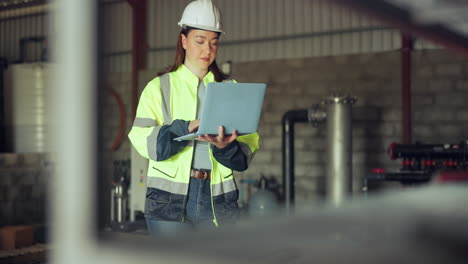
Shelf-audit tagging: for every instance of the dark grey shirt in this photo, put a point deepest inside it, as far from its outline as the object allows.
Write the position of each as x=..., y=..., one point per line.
x=201, y=158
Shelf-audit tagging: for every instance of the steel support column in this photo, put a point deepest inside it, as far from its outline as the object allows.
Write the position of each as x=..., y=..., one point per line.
x=406, y=47
x=139, y=46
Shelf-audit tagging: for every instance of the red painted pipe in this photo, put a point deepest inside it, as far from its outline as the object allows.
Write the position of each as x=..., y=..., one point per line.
x=406, y=47
x=139, y=47
x=452, y=176
x=120, y=134
x=134, y=81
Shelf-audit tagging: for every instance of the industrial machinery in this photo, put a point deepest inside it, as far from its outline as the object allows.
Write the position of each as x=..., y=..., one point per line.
x=265, y=200
x=128, y=193
x=137, y=188
x=336, y=110
x=424, y=163
x=119, y=194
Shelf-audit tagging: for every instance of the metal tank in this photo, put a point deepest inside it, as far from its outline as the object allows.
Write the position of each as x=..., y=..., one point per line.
x=339, y=148
x=25, y=107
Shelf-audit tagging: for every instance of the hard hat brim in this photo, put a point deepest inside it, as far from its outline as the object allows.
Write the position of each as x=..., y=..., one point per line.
x=201, y=27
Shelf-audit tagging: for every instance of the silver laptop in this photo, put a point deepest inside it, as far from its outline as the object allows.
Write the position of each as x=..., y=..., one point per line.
x=236, y=106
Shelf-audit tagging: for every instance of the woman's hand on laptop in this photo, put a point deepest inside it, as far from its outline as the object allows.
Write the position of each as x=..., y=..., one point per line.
x=220, y=141
x=193, y=125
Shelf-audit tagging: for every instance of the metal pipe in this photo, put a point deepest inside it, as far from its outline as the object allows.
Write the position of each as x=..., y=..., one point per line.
x=339, y=147
x=406, y=47
x=121, y=133
x=433, y=151
x=16, y=16
x=139, y=46
x=403, y=176
x=112, y=206
x=22, y=11
x=3, y=66
x=134, y=80
x=289, y=119
x=119, y=200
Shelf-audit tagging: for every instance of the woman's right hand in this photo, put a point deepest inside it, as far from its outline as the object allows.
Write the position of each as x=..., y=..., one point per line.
x=193, y=125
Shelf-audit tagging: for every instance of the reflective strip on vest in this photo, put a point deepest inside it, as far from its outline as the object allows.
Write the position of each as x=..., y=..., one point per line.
x=181, y=188
x=144, y=122
x=153, y=136
x=224, y=187
x=151, y=142
x=166, y=98
x=167, y=185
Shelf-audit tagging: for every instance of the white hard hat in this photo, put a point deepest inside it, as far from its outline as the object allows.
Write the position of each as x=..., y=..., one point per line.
x=201, y=14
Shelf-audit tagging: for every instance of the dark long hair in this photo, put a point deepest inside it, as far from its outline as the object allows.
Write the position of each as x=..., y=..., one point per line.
x=180, y=57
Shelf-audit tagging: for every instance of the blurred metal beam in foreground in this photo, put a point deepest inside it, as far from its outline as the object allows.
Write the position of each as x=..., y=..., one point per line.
x=450, y=30
x=426, y=225
x=73, y=111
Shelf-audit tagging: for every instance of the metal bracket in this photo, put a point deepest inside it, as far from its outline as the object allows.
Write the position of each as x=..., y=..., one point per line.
x=316, y=115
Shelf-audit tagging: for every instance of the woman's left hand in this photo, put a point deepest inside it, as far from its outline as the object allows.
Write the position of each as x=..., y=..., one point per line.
x=220, y=141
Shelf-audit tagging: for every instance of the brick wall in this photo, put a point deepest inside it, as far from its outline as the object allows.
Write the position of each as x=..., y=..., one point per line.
x=439, y=93
x=23, y=184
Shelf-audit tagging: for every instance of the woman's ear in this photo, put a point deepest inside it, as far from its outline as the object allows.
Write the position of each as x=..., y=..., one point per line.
x=184, y=41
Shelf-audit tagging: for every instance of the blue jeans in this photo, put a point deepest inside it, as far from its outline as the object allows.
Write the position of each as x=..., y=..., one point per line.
x=198, y=212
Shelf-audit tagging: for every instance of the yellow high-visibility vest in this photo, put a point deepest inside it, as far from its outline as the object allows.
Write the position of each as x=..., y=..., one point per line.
x=167, y=98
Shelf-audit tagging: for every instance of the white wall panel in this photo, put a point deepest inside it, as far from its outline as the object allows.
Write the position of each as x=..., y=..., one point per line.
x=117, y=36
x=273, y=29
x=117, y=63
x=117, y=24
x=165, y=15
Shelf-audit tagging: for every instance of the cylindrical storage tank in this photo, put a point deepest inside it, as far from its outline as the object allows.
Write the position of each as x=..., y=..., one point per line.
x=25, y=107
x=339, y=148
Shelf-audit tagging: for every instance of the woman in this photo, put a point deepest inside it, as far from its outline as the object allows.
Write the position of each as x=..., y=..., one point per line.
x=190, y=183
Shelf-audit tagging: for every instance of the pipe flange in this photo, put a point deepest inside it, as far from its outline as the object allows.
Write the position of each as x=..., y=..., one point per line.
x=316, y=115
x=340, y=99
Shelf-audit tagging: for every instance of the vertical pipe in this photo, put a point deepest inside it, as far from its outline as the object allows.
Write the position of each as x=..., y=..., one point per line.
x=289, y=119
x=134, y=81
x=119, y=200
x=3, y=65
x=112, y=205
x=139, y=46
x=406, y=47
x=339, y=147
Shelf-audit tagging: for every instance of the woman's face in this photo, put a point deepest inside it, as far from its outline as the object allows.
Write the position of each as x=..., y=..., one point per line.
x=200, y=47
